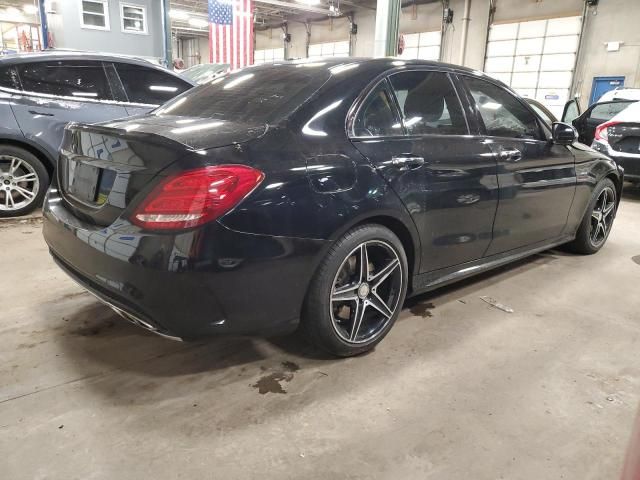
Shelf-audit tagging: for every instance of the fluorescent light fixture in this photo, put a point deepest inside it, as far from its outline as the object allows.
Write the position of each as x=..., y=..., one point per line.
x=309, y=2
x=84, y=94
x=198, y=22
x=29, y=9
x=412, y=121
x=162, y=88
x=179, y=14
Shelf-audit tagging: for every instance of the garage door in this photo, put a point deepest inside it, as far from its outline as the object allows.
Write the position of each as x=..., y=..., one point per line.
x=329, y=49
x=268, y=55
x=535, y=58
x=425, y=45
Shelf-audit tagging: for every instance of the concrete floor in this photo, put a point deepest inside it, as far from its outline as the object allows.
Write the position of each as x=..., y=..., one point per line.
x=459, y=389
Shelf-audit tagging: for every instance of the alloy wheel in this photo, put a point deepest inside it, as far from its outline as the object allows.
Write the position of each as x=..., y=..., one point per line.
x=602, y=216
x=19, y=184
x=366, y=292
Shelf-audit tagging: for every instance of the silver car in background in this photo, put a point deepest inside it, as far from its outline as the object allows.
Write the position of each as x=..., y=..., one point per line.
x=41, y=92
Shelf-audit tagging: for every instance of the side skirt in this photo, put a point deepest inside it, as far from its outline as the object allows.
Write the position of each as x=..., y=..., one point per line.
x=439, y=278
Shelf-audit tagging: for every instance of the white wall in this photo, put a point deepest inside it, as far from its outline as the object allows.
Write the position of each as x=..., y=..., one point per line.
x=612, y=20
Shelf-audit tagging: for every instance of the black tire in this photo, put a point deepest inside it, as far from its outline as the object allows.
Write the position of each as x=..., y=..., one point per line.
x=585, y=242
x=383, y=252
x=21, y=204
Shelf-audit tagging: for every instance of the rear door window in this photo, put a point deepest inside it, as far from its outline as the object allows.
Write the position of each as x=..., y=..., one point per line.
x=376, y=117
x=79, y=79
x=9, y=78
x=149, y=85
x=428, y=103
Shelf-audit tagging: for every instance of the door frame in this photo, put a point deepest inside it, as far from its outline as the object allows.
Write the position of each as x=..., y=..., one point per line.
x=595, y=80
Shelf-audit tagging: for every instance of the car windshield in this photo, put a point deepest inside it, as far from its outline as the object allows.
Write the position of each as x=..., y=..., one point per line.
x=255, y=95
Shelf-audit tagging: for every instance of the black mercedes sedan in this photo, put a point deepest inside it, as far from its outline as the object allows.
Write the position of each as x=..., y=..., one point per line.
x=318, y=195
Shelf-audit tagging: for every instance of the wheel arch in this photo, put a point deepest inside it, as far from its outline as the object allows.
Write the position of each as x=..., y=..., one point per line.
x=37, y=151
x=617, y=181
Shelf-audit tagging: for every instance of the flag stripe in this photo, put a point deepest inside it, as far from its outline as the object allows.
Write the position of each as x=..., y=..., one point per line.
x=231, y=32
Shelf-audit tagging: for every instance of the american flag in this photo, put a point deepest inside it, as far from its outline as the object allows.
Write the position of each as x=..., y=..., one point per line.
x=231, y=32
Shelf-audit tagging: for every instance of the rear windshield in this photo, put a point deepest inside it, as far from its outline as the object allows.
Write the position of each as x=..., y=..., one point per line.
x=261, y=94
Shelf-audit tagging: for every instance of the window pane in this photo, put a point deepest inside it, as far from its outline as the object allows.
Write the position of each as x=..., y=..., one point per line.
x=558, y=62
x=499, y=64
x=411, y=40
x=501, y=49
x=133, y=12
x=147, y=85
x=526, y=63
x=502, y=113
x=315, y=50
x=66, y=78
x=507, y=31
x=532, y=29
x=529, y=46
x=428, y=103
x=429, y=53
x=8, y=78
x=278, y=54
x=94, y=20
x=327, y=49
x=93, y=7
x=524, y=80
x=135, y=25
x=429, y=39
x=410, y=53
x=376, y=117
x=554, y=80
x=564, y=26
x=567, y=44
x=341, y=47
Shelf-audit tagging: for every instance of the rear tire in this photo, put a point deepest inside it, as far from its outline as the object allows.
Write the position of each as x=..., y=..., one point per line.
x=598, y=219
x=23, y=181
x=357, y=292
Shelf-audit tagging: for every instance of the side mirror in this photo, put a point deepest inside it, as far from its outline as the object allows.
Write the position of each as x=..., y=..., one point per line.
x=563, y=134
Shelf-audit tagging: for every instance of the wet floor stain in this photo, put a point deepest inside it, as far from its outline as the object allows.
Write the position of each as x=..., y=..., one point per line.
x=91, y=330
x=272, y=383
x=423, y=309
x=636, y=259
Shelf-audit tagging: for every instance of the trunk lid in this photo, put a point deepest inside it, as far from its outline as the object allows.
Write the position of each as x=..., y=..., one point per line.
x=103, y=168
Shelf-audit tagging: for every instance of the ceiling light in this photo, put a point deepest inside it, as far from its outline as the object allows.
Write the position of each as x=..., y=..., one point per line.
x=29, y=9
x=309, y=2
x=198, y=22
x=179, y=14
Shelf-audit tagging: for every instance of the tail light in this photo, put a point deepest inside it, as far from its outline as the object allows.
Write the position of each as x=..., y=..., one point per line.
x=602, y=131
x=195, y=197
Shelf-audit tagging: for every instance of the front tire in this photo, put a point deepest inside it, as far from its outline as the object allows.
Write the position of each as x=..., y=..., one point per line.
x=357, y=293
x=23, y=181
x=598, y=219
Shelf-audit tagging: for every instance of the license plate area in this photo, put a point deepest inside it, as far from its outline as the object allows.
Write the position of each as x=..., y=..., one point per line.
x=82, y=181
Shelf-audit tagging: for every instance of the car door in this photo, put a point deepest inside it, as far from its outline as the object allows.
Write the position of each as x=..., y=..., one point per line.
x=147, y=87
x=57, y=92
x=537, y=178
x=413, y=129
x=595, y=115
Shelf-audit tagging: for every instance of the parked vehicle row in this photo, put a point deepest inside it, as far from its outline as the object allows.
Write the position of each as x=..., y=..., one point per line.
x=318, y=195
x=41, y=92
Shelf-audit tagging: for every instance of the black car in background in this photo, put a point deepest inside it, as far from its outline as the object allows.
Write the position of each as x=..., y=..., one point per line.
x=318, y=194
x=42, y=92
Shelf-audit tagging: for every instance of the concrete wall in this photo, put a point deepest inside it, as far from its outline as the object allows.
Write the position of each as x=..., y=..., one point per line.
x=67, y=32
x=612, y=20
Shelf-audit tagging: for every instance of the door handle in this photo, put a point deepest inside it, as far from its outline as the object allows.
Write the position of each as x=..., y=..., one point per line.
x=407, y=163
x=511, y=155
x=43, y=114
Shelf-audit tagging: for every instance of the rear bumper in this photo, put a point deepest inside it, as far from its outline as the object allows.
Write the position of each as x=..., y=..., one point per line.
x=629, y=161
x=203, y=282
